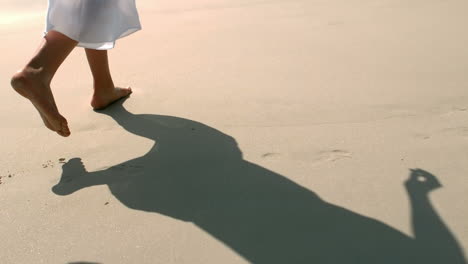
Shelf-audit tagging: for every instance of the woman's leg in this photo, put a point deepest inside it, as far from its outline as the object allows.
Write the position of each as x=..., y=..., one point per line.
x=105, y=92
x=33, y=81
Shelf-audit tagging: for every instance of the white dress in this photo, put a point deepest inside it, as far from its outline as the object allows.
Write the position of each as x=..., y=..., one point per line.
x=95, y=24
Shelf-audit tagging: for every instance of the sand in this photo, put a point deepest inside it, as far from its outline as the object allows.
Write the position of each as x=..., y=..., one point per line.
x=258, y=132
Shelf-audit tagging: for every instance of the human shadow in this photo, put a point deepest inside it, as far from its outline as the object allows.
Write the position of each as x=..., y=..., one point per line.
x=196, y=173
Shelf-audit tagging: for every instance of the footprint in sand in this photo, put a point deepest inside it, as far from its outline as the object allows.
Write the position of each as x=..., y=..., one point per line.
x=457, y=110
x=422, y=136
x=460, y=109
x=461, y=131
x=457, y=131
x=332, y=155
x=270, y=155
x=51, y=164
x=322, y=156
x=5, y=177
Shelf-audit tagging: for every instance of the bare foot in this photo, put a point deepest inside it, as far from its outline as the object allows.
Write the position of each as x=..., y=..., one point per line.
x=29, y=84
x=103, y=99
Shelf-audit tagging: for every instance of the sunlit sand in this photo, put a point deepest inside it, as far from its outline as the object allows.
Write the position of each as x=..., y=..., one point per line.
x=10, y=19
x=283, y=131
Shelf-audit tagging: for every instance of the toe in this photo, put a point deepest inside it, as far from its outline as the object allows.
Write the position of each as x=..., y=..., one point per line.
x=64, y=131
x=126, y=91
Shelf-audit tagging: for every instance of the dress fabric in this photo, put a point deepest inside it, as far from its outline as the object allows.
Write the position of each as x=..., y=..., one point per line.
x=95, y=24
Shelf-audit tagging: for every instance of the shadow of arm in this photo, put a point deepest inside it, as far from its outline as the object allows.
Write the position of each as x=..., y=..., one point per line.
x=433, y=237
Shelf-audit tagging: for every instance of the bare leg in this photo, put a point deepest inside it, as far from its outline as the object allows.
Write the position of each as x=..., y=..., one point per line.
x=33, y=81
x=105, y=93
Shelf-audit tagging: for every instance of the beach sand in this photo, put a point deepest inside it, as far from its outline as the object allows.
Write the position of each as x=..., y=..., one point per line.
x=277, y=131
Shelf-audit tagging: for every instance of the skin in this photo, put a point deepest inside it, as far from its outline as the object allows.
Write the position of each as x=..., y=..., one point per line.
x=33, y=81
x=105, y=92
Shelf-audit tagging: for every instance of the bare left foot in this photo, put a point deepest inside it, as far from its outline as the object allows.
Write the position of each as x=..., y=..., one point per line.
x=103, y=99
x=30, y=84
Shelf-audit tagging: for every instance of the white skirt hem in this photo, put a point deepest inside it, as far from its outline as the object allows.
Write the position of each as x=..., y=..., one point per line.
x=94, y=24
x=96, y=46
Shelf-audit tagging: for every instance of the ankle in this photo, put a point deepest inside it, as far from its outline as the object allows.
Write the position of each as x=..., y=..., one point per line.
x=26, y=82
x=103, y=87
x=18, y=81
x=21, y=78
x=28, y=74
x=38, y=72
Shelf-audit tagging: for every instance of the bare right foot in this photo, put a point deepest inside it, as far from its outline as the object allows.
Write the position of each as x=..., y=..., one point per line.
x=32, y=86
x=103, y=98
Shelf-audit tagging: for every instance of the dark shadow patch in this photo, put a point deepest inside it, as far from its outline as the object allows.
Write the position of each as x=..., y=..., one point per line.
x=196, y=173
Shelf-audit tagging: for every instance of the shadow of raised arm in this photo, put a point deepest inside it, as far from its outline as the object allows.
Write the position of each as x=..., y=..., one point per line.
x=433, y=237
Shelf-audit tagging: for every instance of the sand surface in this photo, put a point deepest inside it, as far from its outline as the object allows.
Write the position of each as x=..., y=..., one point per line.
x=260, y=131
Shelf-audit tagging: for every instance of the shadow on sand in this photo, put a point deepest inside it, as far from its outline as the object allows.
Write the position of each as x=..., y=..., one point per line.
x=196, y=173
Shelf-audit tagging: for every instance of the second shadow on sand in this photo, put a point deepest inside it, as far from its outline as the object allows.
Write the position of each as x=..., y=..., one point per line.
x=196, y=173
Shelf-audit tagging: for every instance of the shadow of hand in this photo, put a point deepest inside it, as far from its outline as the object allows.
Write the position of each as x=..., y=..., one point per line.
x=73, y=171
x=422, y=181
